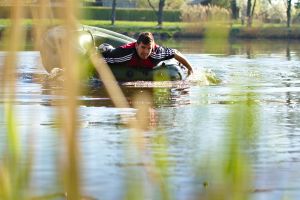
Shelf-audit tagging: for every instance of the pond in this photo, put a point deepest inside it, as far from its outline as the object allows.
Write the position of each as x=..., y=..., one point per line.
x=196, y=128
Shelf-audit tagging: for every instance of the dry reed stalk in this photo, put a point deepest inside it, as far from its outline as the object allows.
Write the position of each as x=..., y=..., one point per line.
x=14, y=39
x=42, y=16
x=68, y=113
x=155, y=162
x=109, y=81
x=111, y=85
x=138, y=126
x=13, y=177
x=120, y=101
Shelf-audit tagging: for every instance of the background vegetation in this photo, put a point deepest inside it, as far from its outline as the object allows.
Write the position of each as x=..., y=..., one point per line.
x=245, y=19
x=283, y=11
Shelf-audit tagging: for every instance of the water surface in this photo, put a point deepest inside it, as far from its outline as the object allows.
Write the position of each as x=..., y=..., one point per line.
x=192, y=118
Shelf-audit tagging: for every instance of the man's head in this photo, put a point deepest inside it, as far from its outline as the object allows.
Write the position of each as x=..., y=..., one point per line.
x=144, y=45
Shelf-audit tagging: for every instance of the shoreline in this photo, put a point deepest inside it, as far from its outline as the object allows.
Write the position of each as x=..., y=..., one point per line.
x=165, y=33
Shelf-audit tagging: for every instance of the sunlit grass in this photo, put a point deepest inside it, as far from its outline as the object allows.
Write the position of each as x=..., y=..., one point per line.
x=184, y=29
x=167, y=25
x=131, y=23
x=106, y=23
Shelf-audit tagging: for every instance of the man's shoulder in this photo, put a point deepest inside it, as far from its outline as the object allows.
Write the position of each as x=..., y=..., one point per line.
x=163, y=50
x=162, y=53
x=158, y=48
x=128, y=46
x=119, y=54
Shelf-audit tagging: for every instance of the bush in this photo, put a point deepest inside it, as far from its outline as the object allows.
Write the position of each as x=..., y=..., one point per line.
x=210, y=20
x=5, y=11
x=200, y=13
x=103, y=13
x=132, y=14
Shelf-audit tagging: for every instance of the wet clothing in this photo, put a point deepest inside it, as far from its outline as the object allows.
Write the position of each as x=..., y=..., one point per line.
x=127, y=55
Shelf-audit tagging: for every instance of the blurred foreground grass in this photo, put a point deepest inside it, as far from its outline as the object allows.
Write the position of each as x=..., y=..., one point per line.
x=229, y=179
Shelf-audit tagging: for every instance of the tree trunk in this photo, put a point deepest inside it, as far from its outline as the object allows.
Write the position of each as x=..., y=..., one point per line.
x=113, y=12
x=234, y=9
x=288, y=13
x=253, y=8
x=160, y=14
x=248, y=14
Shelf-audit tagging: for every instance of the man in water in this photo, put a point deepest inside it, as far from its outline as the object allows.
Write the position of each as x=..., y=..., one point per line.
x=144, y=52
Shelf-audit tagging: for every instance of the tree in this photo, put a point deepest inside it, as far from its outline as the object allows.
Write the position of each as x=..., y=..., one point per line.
x=160, y=11
x=227, y=4
x=169, y=4
x=221, y=3
x=113, y=12
x=234, y=9
x=288, y=13
x=250, y=12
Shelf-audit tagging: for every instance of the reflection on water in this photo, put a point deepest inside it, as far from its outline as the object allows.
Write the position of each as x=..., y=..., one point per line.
x=191, y=116
x=94, y=94
x=250, y=48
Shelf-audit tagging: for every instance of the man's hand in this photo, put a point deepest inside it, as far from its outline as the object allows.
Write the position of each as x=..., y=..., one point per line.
x=190, y=71
x=180, y=58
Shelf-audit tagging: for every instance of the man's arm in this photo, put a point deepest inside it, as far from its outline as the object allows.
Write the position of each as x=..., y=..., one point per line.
x=180, y=58
x=117, y=56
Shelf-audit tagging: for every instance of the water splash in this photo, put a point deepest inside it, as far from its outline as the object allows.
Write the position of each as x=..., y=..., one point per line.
x=205, y=77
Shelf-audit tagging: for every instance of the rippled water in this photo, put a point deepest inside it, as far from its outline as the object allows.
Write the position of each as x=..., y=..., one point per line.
x=193, y=118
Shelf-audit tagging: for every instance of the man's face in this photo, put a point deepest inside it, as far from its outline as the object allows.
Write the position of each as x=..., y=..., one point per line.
x=144, y=50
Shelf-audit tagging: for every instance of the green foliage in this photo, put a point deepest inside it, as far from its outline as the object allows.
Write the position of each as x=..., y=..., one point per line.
x=221, y=3
x=5, y=11
x=14, y=178
x=169, y=4
x=96, y=13
x=243, y=121
x=297, y=5
x=102, y=13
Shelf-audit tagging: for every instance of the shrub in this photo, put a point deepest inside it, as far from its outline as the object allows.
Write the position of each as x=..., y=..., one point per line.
x=104, y=13
x=199, y=13
x=132, y=14
x=208, y=20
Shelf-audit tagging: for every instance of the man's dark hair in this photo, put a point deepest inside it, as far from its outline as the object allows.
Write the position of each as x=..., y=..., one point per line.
x=145, y=38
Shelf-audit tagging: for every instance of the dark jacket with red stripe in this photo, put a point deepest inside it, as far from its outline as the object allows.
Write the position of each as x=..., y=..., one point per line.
x=127, y=55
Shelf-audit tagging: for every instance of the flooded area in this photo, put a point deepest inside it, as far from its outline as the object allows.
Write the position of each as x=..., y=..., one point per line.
x=192, y=125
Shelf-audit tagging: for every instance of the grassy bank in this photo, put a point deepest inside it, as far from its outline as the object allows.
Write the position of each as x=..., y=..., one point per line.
x=183, y=29
x=193, y=30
